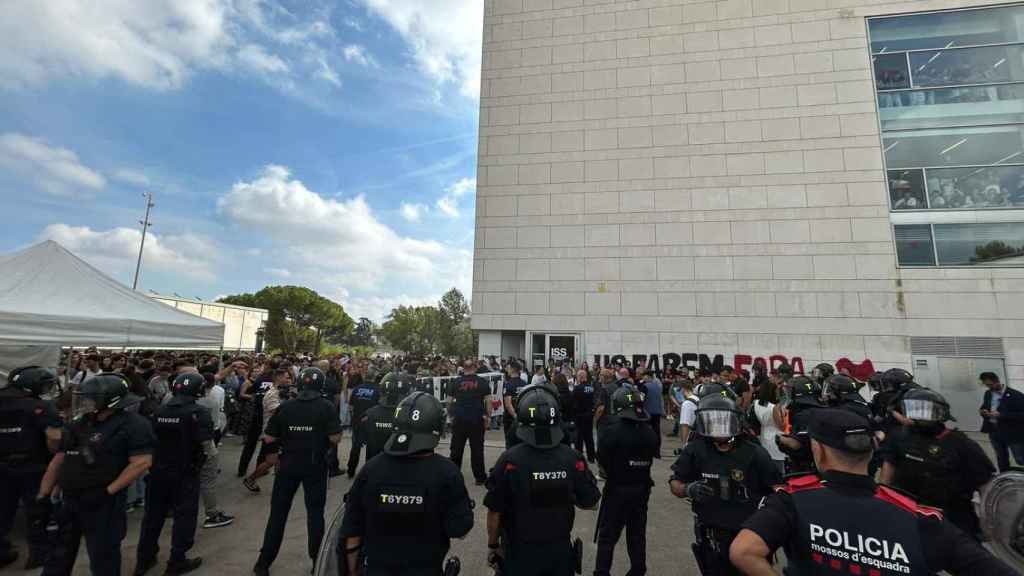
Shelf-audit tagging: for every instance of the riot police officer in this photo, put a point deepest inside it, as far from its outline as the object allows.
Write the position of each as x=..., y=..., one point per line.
x=305, y=427
x=509, y=394
x=802, y=397
x=531, y=492
x=626, y=449
x=29, y=427
x=822, y=372
x=102, y=451
x=840, y=391
x=379, y=420
x=583, y=403
x=843, y=523
x=939, y=466
x=725, y=474
x=406, y=505
x=362, y=395
x=184, y=431
x=885, y=406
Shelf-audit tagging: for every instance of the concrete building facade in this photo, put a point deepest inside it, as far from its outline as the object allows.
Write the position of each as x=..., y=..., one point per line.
x=243, y=326
x=705, y=182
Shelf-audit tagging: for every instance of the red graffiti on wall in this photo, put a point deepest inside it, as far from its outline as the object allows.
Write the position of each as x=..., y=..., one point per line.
x=861, y=371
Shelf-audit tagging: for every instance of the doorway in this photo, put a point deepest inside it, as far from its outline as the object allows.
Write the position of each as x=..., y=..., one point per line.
x=558, y=347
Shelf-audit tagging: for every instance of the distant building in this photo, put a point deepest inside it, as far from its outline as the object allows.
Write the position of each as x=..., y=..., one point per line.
x=243, y=326
x=707, y=182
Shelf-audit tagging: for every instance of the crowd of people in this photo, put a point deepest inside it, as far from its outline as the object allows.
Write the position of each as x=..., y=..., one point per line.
x=78, y=449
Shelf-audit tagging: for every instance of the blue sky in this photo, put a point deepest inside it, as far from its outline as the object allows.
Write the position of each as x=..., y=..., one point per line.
x=325, y=144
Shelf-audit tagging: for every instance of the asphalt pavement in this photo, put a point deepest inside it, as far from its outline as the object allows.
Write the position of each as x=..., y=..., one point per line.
x=233, y=549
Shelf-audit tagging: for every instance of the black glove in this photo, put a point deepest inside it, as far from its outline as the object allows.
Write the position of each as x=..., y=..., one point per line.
x=699, y=491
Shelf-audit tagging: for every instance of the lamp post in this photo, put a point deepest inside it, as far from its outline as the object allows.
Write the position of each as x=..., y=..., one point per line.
x=145, y=226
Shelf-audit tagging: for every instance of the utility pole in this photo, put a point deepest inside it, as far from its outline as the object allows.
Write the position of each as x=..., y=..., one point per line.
x=145, y=226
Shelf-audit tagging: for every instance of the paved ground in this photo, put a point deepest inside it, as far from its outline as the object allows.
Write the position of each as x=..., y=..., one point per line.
x=233, y=549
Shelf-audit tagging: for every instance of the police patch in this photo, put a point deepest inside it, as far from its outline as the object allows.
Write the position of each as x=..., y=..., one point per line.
x=96, y=438
x=934, y=450
x=737, y=475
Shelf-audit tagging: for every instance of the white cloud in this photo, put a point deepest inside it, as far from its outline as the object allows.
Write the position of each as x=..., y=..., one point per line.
x=449, y=203
x=115, y=251
x=413, y=212
x=132, y=176
x=279, y=272
x=340, y=244
x=445, y=37
x=257, y=59
x=358, y=54
x=56, y=171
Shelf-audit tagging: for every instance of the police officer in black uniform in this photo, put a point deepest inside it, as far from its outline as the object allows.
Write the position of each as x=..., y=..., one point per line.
x=531, y=493
x=840, y=391
x=379, y=420
x=626, y=448
x=802, y=398
x=183, y=431
x=509, y=394
x=254, y=392
x=102, y=451
x=940, y=467
x=844, y=523
x=470, y=410
x=886, y=404
x=305, y=427
x=583, y=403
x=29, y=427
x=725, y=474
x=362, y=395
x=406, y=505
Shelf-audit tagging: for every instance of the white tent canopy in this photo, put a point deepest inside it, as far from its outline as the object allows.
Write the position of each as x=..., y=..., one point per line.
x=49, y=297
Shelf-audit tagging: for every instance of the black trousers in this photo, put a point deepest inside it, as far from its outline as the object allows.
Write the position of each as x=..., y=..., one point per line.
x=358, y=441
x=712, y=550
x=103, y=521
x=474, y=432
x=585, y=436
x=534, y=559
x=252, y=441
x=166, y=492
x=21, y=483
x=622, y=507
x=656, y=426
x=314, y=490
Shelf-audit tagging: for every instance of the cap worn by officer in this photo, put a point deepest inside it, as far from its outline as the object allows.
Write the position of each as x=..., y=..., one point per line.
x=32, y=379
x=418, y=425
x=842, y=430
x=538, y=419
x=629, y=405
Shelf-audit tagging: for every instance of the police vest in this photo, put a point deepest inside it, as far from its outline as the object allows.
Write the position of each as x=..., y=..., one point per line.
x=22, y=433
x=542, y=487
x=177, y=450
x=378, y=427
x=930, y=468
x=848, y=534
x=637, y=444
x=402, y=499
x=89, y=463
x=304, y=435
x=734, y=479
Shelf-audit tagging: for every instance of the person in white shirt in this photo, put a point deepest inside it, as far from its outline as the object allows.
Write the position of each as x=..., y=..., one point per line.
x=92, y=368
x=769, y=414
x=687, y=410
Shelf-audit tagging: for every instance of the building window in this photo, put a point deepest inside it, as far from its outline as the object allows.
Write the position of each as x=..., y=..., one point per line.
x=950, y=89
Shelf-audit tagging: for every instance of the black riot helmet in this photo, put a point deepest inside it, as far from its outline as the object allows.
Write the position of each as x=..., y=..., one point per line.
x=189, y=384
x=822, y=371
x=34, y=380
x=538, y=419
x=628, y=404
x=312, y=379
x=926, y=406
x=394, y=387
x=805, y=389
x=101, y=392
x=896, y=380
x=418, y=425
x=718, y=417
x=875, y=382
x=715, y=389
x=836, y=387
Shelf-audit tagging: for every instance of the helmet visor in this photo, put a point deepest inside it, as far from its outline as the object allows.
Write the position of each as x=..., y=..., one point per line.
x=924, y=410
x=719, y=423
x=82, y=405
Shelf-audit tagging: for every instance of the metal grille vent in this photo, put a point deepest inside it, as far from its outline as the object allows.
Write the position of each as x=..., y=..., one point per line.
x=956, y=347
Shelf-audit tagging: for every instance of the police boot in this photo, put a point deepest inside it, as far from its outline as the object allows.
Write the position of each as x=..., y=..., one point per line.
x=143, y=566
x=8, y=557
x=183, y=566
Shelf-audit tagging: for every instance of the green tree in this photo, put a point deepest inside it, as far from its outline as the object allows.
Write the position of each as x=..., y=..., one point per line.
x=363, y=333
x=442, y=329
x=298, y=317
